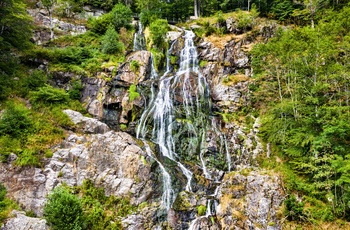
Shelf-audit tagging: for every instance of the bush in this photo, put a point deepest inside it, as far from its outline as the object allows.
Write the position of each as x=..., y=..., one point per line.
x=133, y=94
x=294, y=208
x=158, y=30
x=36, y=79
x=110, y=43
x=49, y=94
x=201, y=209
x=147, y=16
x=28, y=158
x=63, y=210
x=135, y=66
x=245, y=20
x=100, y=25
x=15, y=121
x=121, y=16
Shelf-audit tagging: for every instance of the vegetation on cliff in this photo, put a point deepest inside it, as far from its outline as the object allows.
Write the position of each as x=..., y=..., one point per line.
x=300, y=89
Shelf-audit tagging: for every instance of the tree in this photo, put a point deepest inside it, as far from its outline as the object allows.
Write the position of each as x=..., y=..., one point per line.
x=15, y=25
x=110, y=43
x=63, y=210
x=121, y=16
x=158, y=31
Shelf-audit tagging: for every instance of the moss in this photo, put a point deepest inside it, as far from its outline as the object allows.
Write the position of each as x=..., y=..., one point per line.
x=135, y=66
x=182, y=202
x=201, y=210
x=123, y=127
x=203, y=63
x=133, y=94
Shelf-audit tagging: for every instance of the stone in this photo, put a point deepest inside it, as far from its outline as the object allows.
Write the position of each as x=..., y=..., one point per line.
x=22, y=222
x=88, y=125
x=253, y=200
x=133, y=76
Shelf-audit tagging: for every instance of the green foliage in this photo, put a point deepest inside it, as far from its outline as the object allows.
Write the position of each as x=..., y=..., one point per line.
x=110, y=43
x=16, y=27
x=294, y=209
x=15, y=121
x=147, y=16
x=135, y=66
x=6, y=205
x=158, y=30
x=133, y=94
x=28, y=157
x=121, y=16
x=201, y=210
x=245, y=20
x=48, y=94
x=75, y=91
x=63, y=210
x=99, y=25
x=306, y=115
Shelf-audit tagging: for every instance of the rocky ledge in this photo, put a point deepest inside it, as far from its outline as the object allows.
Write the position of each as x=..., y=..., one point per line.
x=111, y=160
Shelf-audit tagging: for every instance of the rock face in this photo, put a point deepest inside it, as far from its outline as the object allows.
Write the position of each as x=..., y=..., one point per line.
x=22, y=222
x=250, y=201
x=111, y=160
x=41, y=18
x=109, y=100
x=89, y=125
x=136, y=69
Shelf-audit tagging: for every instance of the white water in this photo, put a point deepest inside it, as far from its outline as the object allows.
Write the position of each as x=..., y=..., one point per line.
x=168, y=192
x=187, y=89
x=139, y=39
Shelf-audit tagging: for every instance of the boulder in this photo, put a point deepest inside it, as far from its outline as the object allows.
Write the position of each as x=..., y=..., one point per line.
x=130, y=74
x=22, y=222
x=247, y=201
x=111, y=160
x=88, y=125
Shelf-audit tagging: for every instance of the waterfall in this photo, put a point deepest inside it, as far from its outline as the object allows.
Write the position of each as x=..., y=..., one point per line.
x=139, y=39
x=177, y=118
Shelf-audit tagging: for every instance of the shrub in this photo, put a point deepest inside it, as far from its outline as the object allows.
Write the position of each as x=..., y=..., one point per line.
x=28, y=158
x=133, y=94
x=158, y=30
x=201, y=209
x=36, y=79
x=15, y=121
x=135, y=66
x=121, y=16
x=100, y=25
x=110, y=43
x=63, y=210
x=49, y=94
x=294, y=208
x=245, y=20
x=147, y=16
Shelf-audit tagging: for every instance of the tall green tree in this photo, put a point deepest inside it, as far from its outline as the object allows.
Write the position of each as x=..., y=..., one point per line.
x=15, y=25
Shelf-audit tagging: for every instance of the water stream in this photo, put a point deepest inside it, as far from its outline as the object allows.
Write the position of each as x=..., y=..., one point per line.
x=177, y=118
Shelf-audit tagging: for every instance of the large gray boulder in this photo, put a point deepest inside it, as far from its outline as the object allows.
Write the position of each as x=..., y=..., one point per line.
x=112, y=160
x=89, y=125
x=22, y=222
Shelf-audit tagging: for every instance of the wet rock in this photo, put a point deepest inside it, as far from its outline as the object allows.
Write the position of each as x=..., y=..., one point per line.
x=88, y=125
x=22, y=222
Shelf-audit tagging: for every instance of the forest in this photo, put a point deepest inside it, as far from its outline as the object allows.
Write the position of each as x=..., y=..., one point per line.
x=299, y=89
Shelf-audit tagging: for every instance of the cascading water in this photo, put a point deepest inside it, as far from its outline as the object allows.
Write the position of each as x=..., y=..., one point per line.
x=179, y=110
x=139, y=39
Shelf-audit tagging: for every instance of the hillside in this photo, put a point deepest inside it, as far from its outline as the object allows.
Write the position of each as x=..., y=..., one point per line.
x=111, y=118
